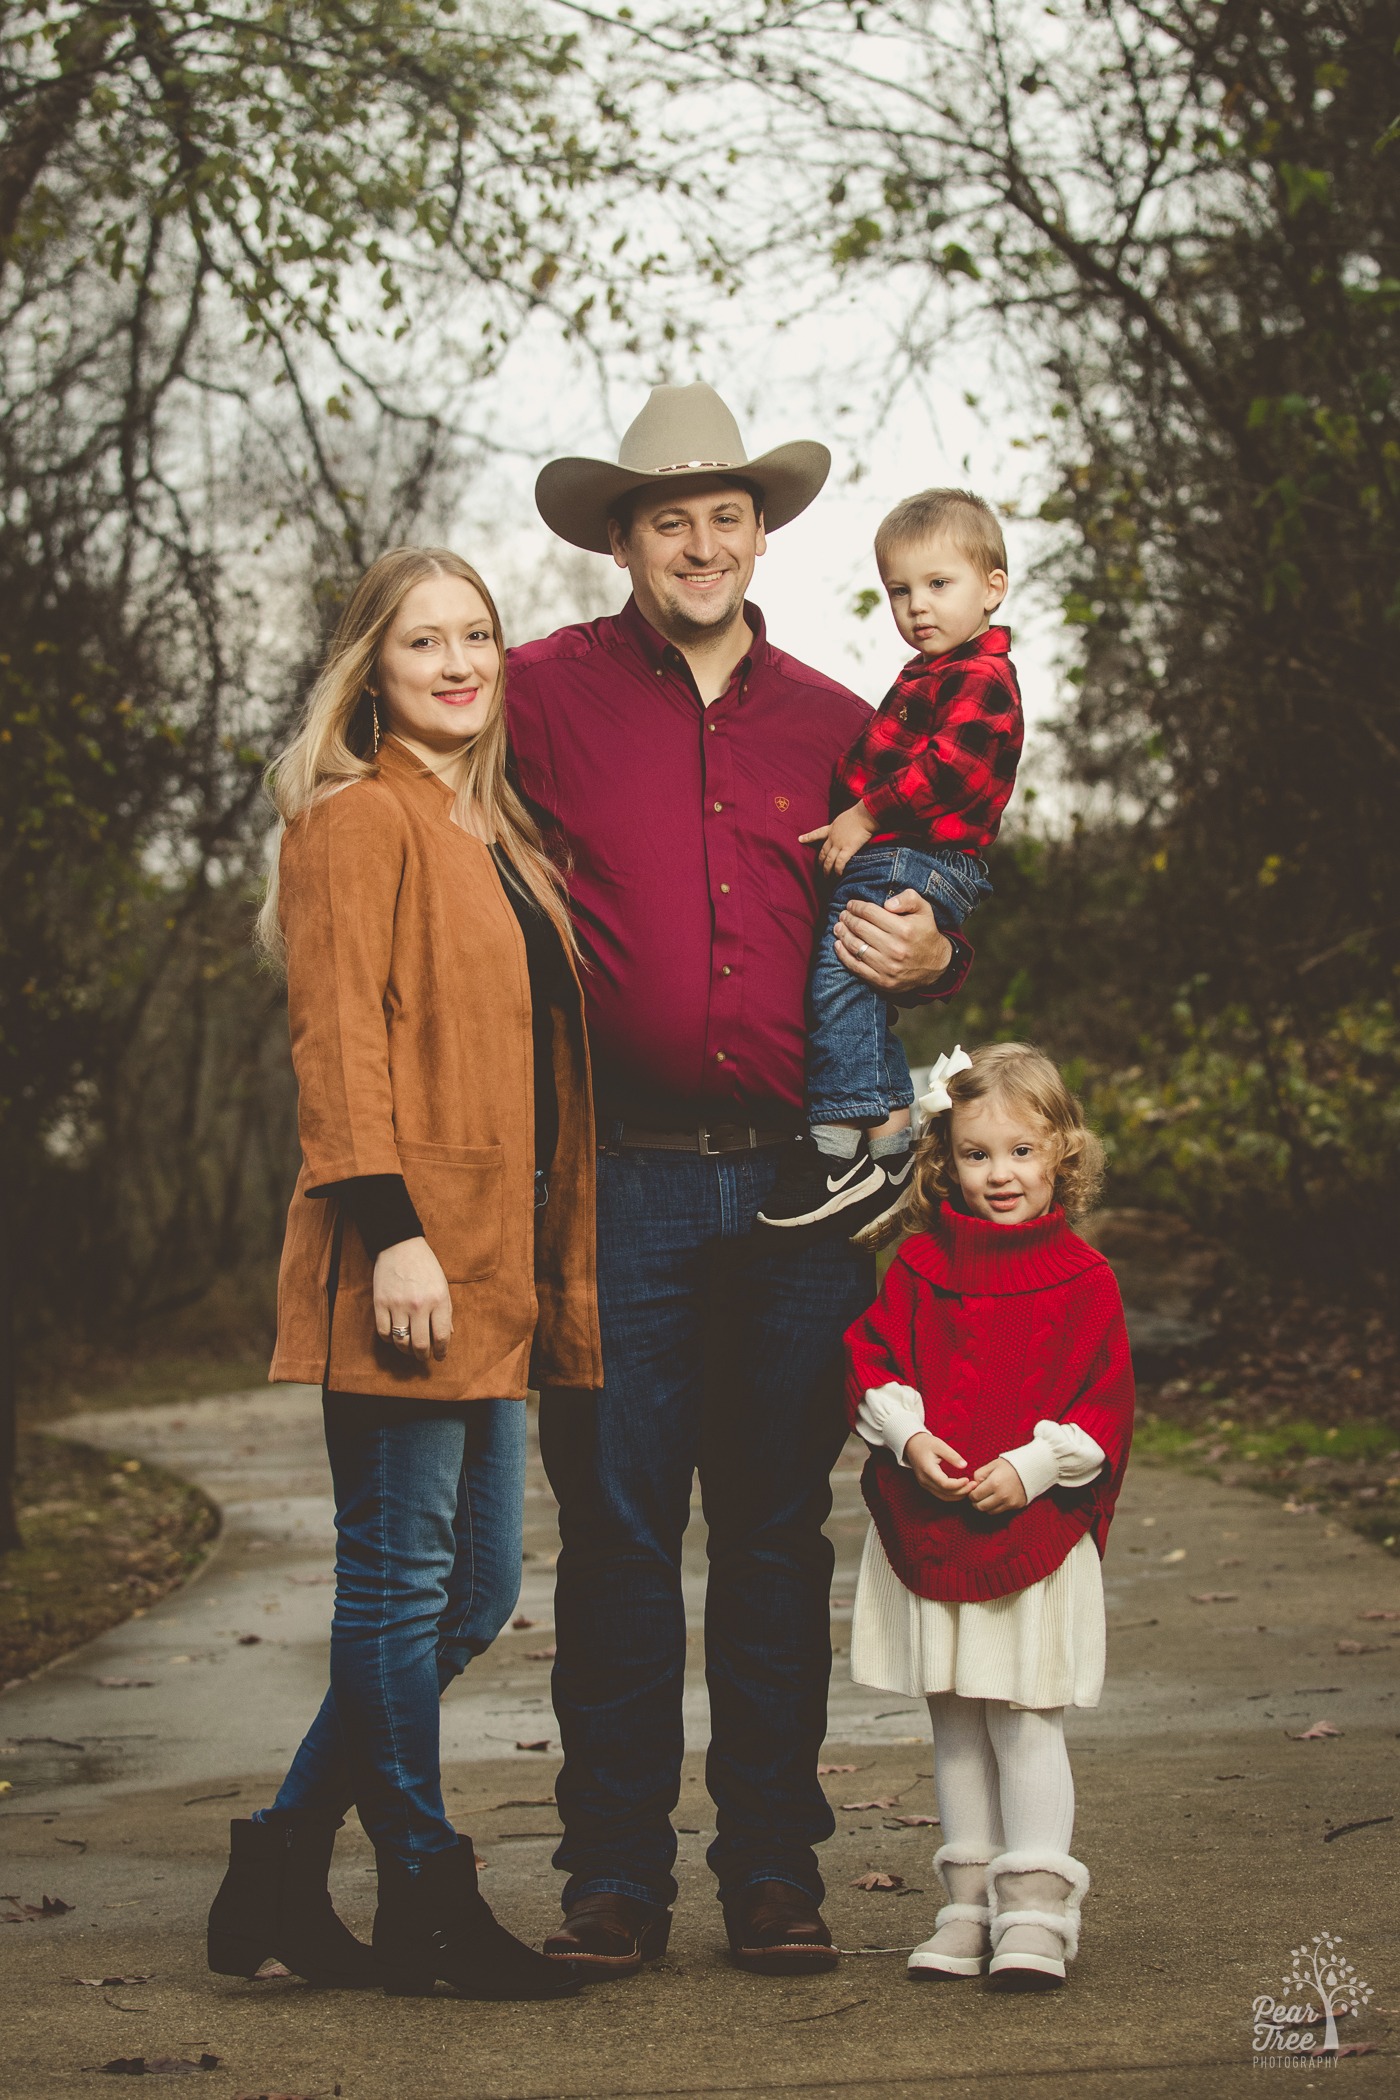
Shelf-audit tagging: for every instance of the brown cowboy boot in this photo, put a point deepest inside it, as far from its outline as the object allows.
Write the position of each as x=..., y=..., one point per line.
x=609, y=1935
x=777, y=1930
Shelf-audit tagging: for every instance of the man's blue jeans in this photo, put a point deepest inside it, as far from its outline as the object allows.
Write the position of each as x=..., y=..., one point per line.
x=720, y=1354
x=856, y=1068
x=428, y=1516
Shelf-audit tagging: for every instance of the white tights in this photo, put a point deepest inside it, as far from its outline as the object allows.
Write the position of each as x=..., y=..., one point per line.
x=1002, y=1774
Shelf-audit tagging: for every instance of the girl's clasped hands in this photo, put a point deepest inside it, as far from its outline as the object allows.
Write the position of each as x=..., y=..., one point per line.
x=992, y=1488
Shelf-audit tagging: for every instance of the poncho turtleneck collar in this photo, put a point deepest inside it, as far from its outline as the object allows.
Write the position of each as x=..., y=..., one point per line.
x=976, y=1258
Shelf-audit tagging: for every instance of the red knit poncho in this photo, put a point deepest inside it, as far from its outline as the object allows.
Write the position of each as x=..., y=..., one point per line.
x=998, y=1327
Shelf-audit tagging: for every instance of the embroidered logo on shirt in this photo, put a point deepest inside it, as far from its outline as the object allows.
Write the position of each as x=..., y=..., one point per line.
x=781, y=802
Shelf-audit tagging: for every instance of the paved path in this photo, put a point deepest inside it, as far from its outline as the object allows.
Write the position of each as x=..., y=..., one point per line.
x=1204, y=1825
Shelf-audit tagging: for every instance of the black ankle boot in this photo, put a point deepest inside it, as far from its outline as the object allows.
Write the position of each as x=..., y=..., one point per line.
x=436, y=1926
x=274, y=1905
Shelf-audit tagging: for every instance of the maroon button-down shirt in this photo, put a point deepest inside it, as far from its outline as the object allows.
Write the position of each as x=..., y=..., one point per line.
x=696, y=907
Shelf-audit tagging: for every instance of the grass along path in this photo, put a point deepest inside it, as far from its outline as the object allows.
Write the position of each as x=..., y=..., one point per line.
x=104, y=1534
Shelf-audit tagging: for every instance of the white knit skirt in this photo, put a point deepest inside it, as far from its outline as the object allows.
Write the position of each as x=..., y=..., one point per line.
x=1042, y=1646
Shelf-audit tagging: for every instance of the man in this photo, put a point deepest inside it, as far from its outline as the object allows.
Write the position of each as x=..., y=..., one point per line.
x=678, y=756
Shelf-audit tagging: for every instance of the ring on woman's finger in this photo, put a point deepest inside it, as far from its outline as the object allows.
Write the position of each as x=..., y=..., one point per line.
x=399, y=1334
x=862, y=948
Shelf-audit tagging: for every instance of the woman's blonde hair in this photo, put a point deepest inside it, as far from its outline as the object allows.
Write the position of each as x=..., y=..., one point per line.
x=335, y=740
x=1013, y=1072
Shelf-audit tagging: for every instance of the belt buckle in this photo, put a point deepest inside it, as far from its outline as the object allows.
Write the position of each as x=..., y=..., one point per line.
x=710, y=1151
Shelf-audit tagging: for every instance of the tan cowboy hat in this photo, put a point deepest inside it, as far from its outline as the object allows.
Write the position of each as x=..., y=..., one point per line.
x=683, y=431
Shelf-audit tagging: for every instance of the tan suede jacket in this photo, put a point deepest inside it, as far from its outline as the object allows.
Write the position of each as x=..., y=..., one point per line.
x=409, y=1003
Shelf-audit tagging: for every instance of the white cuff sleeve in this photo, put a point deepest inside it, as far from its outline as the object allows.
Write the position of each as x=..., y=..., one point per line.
x=1059, y=1454
x=890, y=1415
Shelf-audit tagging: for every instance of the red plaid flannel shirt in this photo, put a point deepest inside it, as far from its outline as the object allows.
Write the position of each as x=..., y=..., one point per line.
x=939, y=755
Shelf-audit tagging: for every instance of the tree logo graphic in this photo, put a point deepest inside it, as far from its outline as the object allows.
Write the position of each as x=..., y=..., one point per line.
x=1330, y=1990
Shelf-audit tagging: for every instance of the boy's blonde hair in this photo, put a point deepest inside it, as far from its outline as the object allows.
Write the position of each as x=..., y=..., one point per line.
x=1016, y=1072
x=970, y=523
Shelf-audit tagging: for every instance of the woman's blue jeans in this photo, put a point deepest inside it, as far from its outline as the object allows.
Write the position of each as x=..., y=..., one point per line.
x=428, y=1515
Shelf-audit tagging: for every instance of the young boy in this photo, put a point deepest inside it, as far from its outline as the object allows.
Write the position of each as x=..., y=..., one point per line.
x=934, y=770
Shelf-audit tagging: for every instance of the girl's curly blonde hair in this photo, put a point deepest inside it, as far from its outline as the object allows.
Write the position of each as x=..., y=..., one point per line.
x=1017, y=1072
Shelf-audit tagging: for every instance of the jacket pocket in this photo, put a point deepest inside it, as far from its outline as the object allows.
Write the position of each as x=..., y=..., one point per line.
x=459, y=1193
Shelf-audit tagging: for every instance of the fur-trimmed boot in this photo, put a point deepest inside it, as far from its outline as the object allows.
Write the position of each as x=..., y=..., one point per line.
x=273, y=1905
x=1034, y=1899
x=961, y=1942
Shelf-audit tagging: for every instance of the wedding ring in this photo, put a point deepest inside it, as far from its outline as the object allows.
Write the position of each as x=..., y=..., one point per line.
x=862, y=948
x=399, y=1334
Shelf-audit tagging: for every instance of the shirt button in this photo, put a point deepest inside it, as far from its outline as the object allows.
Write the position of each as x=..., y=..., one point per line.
x=725, y=970
x=724, y=889
x=711, y=727
x=719, y=1057
x=718, y=807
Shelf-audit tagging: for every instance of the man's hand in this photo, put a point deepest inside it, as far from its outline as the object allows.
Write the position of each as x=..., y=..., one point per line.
x=922, y=1454
x=412, y=1304
x=997, y=1487
x=842, y=837
x=895, y=946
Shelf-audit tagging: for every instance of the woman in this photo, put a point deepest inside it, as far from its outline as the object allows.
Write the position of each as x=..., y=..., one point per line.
x=438, y=1255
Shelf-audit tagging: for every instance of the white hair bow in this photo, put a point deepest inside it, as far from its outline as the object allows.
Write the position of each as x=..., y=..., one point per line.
x=938, y=1099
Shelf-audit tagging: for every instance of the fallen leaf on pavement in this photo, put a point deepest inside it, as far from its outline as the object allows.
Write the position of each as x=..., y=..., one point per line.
x=6, y=1786
x=122, y=1684
x=875, y=1880
x=1318, y=1733
x=917, y=1822
x=1347, y=2049
x=830, y=1771
x=534, y=1801
x=540, y=1655
x=1300, y=1509
x=1216, y=1597
x=110, y=1983
x=890, y=1801
x=522, y=1624
x=1359, y=1648
x=46, y=1907
x=1177, y=1553
x=249, y=1640
x=542, y=1744
x=1378, y=1615
x=271, y=1972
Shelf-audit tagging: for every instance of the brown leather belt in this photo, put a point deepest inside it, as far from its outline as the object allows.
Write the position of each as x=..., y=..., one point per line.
x=706, y=1139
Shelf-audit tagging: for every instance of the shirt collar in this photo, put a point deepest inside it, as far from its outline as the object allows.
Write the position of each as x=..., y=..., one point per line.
x=658, y=654
x=968, y=1254
x=995, y=642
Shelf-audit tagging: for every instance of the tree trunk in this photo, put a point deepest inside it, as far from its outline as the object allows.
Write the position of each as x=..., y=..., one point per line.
x=9, y=1393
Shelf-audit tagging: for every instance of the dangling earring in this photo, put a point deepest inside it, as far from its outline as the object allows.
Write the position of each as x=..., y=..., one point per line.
x=374, y=719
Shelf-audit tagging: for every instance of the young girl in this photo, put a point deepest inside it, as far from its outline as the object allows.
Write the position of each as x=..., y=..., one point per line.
x=993, y=1380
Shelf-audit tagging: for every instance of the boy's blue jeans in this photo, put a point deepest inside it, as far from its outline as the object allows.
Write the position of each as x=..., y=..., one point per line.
x=856, y=1068
x=721, y=1353
x=428, y=1514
